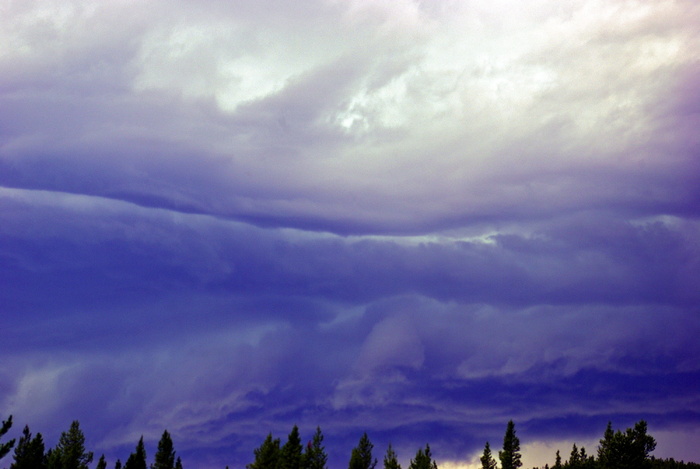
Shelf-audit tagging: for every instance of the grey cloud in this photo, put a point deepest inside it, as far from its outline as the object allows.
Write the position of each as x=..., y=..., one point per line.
x=415, y=220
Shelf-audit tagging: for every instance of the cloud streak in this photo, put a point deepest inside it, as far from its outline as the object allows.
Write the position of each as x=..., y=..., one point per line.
x=416, y=220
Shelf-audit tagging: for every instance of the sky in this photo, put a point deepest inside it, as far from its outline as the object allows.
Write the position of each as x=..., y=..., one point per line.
x=415, y=219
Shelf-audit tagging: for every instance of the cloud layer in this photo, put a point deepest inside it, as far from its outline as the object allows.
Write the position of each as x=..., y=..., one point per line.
x=415, y=220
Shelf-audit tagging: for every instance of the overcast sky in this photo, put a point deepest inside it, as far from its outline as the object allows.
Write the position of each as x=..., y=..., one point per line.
x=418, y=219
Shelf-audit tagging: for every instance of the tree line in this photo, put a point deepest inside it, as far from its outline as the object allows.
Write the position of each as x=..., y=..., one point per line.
x=70, y=453
x=629, y=449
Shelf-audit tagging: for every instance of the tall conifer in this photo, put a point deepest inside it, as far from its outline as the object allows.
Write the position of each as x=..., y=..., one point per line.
x=361, y=456
x=267, y=456
x=391, y=460
x=70, y=451
x=4, y=428
x=29, y=452
x=137, y=459
x=510, y=456
x=165, y=456
x=487, y=461
x=423, y=460
x=315, y=456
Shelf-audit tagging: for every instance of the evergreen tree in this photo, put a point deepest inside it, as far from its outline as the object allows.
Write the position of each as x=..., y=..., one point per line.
x=487, y=461
x=606, y=458
x=291, y=454
x=6, y=447
x=52, y=459
x=391, y=460
x=70, y=451
x=118, y=464
x=267, y=456
x=137, y=459
x=510, y=456
x=178, y=463
x=315, y=456
x=29, y=452
x=557, y=461
x=361, y=456
x=641, y=444
x=574, y=458
x=423, y=460
x=101, y=464
x=165, y=456
x=628, y=450
x=587, y=462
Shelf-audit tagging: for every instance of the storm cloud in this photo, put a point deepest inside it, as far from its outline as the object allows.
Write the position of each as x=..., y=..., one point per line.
x=415, y=219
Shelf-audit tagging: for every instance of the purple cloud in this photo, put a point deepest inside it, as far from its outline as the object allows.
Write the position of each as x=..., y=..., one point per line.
x=418, y=221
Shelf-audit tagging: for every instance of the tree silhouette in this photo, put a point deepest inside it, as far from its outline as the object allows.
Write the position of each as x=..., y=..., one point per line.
x=510, y=456
x=423, y=460
x=6, y=447
x=487, y=461
x=267, y=456
x=137, y=459
x=315, y=456
x=29, y=452
x=391, y=460
x=165, y=455
x=70, y=451
x=361, y=456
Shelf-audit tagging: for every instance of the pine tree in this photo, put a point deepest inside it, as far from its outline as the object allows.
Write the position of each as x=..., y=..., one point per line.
x=137, y=459
x=118, y=464
x=586, y=461
x=391, y=460
x=101, y=464
x=574, y=458
x=165, y=456
x=557, y=461
x=641, y=444
x=178, y=463
x=6, y=447
x=628, y=450
x=361, y=456
x=29, y=452
x=510, y=456
x=291, y=454
x=487, y=461
x=70, y=451
x=606, y=458
x=315, y=456
x=423, y=460
x=267, y=456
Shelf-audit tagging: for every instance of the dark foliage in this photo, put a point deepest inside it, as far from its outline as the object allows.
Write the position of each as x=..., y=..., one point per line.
x=423, y=459
x=629, y=449
x=510, y=456
x=29, y=452
x=361, y=456
x=391, y=460
x=291, y=455
x=6, y=447
x=137, y=459
x=70, y=452
x=165, y=456
x=315, y=456
x=267, y=456
x=487, y=461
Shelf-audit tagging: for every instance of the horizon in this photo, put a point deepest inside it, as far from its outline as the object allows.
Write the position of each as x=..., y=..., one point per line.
x=418, y=219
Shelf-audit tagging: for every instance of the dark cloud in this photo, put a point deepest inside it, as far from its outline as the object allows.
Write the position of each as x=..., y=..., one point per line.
x=410, y=220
